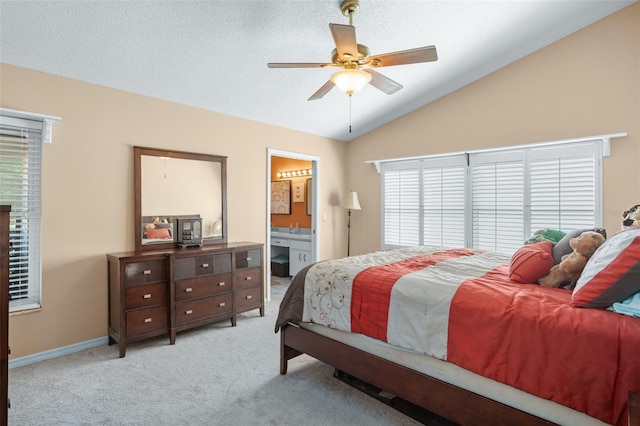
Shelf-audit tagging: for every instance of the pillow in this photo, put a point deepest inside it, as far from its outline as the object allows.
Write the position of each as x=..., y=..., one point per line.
x=562, y=247
x=162, y=233
x=612, y=274
x=546, y=234
x=531, y=262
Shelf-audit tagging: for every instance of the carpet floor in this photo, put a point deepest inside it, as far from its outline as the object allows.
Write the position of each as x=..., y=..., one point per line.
x=213, y=375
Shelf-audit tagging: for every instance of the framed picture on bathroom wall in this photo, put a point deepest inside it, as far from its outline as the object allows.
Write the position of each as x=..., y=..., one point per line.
x=281, y=197
x=298, y=192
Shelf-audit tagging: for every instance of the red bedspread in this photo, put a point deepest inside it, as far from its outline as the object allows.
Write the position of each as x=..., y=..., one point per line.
x=459, y=305
x=529, y=337
x=371, y=292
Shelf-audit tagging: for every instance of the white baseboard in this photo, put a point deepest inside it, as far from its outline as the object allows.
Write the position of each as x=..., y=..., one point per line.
x=54, y=353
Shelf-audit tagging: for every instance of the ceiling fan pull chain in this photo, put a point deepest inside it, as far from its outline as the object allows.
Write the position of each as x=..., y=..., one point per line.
x=349, y=113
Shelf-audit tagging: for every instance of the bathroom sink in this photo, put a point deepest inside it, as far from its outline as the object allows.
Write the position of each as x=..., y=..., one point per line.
x=290, y=236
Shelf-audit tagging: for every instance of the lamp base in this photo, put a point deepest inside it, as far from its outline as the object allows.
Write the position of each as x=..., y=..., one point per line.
x=348, y=231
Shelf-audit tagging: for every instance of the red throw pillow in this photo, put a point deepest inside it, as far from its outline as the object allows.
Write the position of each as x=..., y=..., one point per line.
x=531, y=262
x=158, y=233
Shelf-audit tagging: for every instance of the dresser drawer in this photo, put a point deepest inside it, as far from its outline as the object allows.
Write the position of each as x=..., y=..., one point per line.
x=280, y=242
x=145, y=320
x=145, y=295
x=248, y=298
x=188, y=267
x=203, y=286
x=193, y=310
x=248, y=278
x=145, y=272
x=248, y=258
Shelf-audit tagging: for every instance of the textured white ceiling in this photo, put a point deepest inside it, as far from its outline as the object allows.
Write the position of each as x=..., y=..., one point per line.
x=214, y=54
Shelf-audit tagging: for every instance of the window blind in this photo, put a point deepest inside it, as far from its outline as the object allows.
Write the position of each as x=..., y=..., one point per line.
x=564, y=187
x=20, y=170
x=497, y=200
x=444, y=181
x=401, y=204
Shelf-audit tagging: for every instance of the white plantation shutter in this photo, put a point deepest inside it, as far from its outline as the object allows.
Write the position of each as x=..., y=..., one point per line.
x=443, y=186
x=497, y=200
x=401, y=204
x=20, y=166
x=564, y=186
x=492, y=199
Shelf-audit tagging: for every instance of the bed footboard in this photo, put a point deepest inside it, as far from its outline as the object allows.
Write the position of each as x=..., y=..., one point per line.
x=454, y=403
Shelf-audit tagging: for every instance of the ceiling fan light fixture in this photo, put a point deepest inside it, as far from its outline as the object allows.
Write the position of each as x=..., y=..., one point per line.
x=351, y=80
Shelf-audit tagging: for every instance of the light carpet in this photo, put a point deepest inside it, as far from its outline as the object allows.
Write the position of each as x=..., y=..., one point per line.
x=213, y=375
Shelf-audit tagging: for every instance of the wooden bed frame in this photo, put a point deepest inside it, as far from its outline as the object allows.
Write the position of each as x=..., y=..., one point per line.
x=449, y=401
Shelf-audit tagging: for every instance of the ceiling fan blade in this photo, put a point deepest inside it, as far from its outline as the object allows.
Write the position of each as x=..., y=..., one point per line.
x=411, y=56
x=322, y=91
x=383, y=83
x=297, y=65
x=345, y=38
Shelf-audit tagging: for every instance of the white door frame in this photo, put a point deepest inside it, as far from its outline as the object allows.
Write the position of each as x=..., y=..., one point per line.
x=315, y=188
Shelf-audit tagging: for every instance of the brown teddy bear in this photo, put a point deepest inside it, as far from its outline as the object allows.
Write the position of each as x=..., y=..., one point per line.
x=572, y=264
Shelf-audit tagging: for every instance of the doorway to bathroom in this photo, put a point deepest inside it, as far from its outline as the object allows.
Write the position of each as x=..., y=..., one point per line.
x=292, y=216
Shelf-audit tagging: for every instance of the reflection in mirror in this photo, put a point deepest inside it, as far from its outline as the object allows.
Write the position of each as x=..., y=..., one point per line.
x=163, y=183
x=172, y=185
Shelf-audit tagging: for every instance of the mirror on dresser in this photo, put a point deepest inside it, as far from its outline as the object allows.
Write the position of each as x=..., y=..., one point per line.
x=173, y=184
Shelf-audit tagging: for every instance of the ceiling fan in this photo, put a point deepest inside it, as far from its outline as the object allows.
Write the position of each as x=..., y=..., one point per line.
x=357, y=66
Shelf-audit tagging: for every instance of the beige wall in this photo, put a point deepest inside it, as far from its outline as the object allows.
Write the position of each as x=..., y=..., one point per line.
x=87, y=189
x=586, y=84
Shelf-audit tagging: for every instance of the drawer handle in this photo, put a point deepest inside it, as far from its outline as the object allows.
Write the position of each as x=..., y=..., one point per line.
x=248, y=259
x=147, y=296
x=147, y=320
x=248, y=278
x=221, y=283
x=205, y=265
x=188, y=290
x=147, y=272
x=249, y=297
x=222, y=304
x=189, y=312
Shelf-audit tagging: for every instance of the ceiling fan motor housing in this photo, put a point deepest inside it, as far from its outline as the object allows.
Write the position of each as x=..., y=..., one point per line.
x=363, y=53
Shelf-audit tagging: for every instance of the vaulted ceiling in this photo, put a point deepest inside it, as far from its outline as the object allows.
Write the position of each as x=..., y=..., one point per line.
x=214, y=54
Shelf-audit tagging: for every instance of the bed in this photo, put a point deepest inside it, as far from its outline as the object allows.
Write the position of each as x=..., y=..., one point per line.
x=448, y=330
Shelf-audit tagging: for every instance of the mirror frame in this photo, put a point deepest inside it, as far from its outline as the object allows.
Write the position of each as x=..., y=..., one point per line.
x=138, y=152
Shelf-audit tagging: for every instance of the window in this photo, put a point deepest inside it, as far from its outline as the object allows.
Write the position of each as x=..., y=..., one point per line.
x=491, y=199
x=20, y=160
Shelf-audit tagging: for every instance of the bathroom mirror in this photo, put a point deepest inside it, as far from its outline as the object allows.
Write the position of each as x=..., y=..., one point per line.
x=170, y=185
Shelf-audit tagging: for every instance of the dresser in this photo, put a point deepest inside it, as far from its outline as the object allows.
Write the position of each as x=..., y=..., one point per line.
x=4, y=313
x=167, y=291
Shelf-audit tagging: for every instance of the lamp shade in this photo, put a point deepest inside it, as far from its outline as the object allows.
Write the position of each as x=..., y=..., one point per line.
x=351, y=80
x=350, y=201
